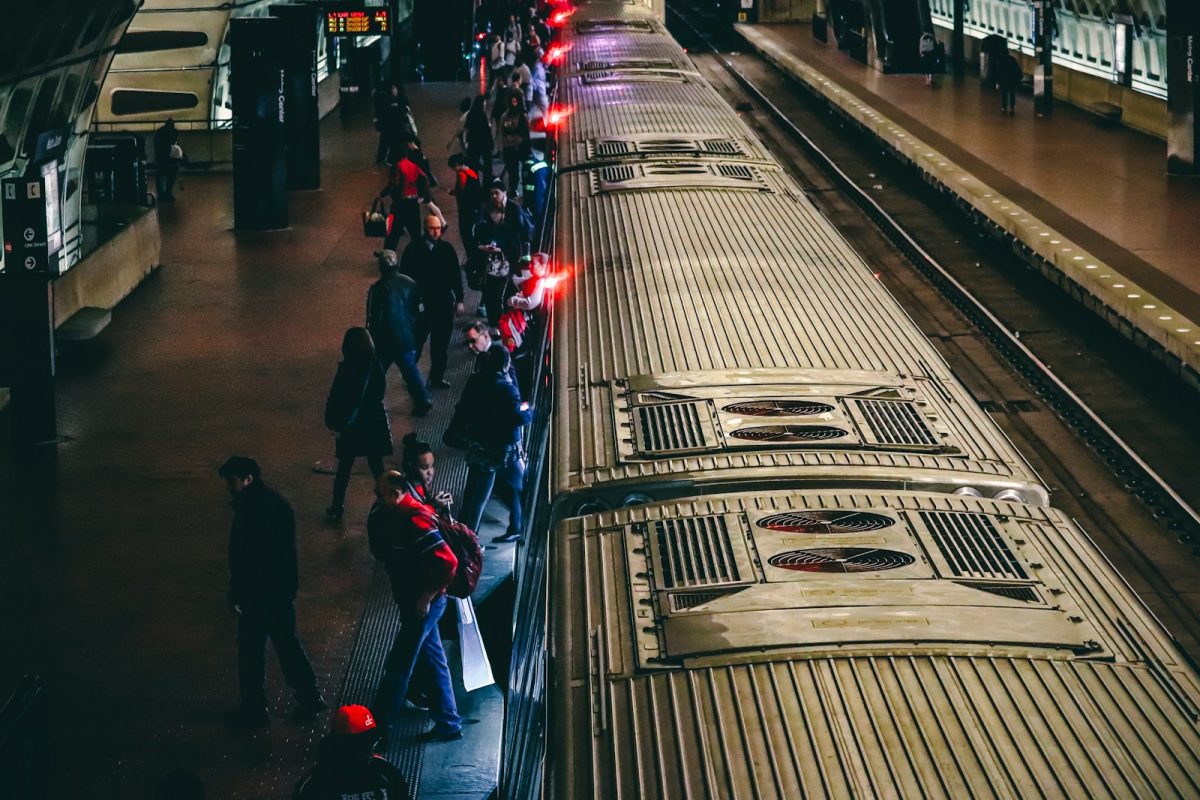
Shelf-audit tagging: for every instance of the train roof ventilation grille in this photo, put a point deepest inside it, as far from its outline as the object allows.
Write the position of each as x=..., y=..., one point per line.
x=1025, y=594
x=665, y=146
x=617, y=174
x=779, y=408
x=840, y=560
x=628, y=63
x=668, y=175
x=831, y=521
x=682, y=601
x=895, y=422
x=614, y=26
x=611, y=148
x=725, y=147
x=972, y=546
x=742, y=173
x=636, y=76
x=695, y=551
x=674, y=427
x=783, y=434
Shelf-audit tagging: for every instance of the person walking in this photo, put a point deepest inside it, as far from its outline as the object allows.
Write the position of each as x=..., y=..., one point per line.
x=927, y=50
x=1008, y=77
x=514, y=136
x=408, y=186
x=393, y=310
x=433, y=264
x=263, y=580
x=403, y=534
x=347, y=765
x=167, y=157
x=468, y=198
x=354, y=411
x=489, y=419
x=480, y=142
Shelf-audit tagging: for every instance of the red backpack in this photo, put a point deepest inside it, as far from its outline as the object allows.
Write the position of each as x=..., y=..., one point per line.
x=512, y=327
x=465, y=545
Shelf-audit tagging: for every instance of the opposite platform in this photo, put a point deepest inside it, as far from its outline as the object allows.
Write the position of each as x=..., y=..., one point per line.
x=1094, y=205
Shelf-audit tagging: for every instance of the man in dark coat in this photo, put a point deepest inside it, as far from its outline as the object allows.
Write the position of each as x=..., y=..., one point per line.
x=262, y=593
x=166, y=160
x=433, y=264
x=393, y=308
x=1008, y=77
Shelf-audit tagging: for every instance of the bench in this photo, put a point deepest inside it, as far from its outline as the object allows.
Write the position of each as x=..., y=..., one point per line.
x=84, y=324
x=1106, y=111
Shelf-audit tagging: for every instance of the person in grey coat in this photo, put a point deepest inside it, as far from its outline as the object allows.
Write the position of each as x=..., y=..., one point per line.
x=354, y=411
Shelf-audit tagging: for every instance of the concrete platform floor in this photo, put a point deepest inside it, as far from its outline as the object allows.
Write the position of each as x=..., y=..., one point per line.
x=113, y=565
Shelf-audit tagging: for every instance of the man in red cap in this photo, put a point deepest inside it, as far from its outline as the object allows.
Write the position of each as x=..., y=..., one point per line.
x=347, y=765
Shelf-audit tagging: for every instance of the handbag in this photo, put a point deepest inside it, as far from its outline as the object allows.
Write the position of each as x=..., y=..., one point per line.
x=376, y=224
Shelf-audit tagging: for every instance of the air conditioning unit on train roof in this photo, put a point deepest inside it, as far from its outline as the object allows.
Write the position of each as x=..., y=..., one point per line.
x=864, y=572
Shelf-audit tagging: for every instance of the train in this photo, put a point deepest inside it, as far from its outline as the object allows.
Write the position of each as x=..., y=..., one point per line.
x=777, y=549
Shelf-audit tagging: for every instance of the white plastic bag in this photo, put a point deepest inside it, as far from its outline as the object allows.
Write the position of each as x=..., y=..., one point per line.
x=476, y=669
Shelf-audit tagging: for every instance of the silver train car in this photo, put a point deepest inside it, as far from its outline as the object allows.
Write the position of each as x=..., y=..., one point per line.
x=778, y=549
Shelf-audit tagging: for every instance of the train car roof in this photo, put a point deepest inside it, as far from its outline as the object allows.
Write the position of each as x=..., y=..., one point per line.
x=879, y=644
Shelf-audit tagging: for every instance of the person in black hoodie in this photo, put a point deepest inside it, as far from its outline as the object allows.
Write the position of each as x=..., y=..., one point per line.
x=489, y=420
x=262, y=593
x=354, y=411
x=347, y=765
x=433, y=264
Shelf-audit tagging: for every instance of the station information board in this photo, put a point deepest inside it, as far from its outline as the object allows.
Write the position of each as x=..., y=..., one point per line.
x=358, y=22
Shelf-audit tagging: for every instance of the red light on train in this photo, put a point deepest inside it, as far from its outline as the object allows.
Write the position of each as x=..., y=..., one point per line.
x=556, y=53
x=557, y=115
x=559, y=18
x=479, y=37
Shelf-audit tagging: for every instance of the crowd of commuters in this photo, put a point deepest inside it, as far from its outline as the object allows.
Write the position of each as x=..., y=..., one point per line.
x=421, y=290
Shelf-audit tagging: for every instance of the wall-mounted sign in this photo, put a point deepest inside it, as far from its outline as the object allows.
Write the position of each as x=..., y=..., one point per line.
x=358, y=22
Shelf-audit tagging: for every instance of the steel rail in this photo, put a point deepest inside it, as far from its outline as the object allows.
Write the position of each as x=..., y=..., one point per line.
x=1007, y=340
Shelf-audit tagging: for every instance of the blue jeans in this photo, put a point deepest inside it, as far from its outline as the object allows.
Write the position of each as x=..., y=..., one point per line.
x=418, y=640
x=481, y=478
x=414, y=381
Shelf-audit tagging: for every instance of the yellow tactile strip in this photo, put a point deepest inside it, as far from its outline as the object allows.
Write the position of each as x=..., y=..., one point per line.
x=1157, y=320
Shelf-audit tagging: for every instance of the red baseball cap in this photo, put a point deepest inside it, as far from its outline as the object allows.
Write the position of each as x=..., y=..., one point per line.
x=351, y=720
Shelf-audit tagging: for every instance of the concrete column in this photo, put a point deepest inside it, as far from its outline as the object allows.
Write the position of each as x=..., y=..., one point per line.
x=302, y=124
x=1183, y=85
x=258, y=79
x=956, y=43
x=1044, y=28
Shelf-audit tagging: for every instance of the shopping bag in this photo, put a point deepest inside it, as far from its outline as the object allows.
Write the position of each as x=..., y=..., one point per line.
x=376, y=224
x=476, y=670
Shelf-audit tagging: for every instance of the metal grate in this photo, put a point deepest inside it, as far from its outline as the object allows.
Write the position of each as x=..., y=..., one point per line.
x=779, y=408
x=781, y=434
x=895, y=422
x=695, y=552
x=613, y=26
x=676, y=168
x=629, y=63
x=612, y=147
x=667, y=146
x=1026, y=594
x=682, y=601
x=832, y=521
x=617, y=174
x=972, y=546
x=736, y=171
x=840, y=560
x=671, y=427
x=726, y=147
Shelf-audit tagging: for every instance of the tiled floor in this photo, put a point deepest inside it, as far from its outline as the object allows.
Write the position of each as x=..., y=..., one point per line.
x=113, y=564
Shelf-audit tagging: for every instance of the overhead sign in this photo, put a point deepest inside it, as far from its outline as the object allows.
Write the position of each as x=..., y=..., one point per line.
x=358, y=22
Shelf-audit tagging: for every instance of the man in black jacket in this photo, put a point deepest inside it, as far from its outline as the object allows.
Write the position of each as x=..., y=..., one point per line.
x=262, y=593
x=433, y=264
x=393, y=307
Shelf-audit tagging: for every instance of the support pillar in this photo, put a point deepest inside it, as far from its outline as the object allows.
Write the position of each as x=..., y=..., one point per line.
x=957, y=41
x=1044, y=28
x=302, y=125
x=258, y=80
x=1183, y=85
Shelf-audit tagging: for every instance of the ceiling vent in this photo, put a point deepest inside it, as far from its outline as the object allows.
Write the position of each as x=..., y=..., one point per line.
x=696, y=551
x=778, y=408
x=840, y=560
x=895, y=423
x=833, y=521
x=614, y=26
x=972, y=546
x=1026, y=594
x=779, y=434
x=675, y=427
x=627, y=63
x=677, y=175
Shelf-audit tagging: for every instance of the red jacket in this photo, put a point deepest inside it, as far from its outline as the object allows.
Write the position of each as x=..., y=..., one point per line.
x=407, y=181
x=407, y=540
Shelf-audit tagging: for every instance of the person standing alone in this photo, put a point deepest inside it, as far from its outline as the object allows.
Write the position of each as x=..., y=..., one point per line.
x=433, y=264
x=167, y=157
x=262, y=593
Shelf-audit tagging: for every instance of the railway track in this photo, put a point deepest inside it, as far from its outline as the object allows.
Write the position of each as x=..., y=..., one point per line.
x=1108, y=431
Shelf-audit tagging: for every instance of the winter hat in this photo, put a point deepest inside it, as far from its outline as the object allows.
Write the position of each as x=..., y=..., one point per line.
x=353, y=720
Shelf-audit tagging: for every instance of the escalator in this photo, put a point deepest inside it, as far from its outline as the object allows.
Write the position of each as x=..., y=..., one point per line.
x=883, y=33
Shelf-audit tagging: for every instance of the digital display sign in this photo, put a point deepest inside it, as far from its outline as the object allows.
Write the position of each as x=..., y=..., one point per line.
x=358, y=22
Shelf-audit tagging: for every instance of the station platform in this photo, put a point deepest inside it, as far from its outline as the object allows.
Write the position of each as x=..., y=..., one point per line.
x=113, y=558
x=1092, y=203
